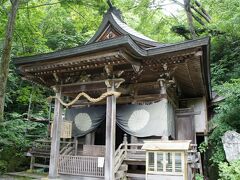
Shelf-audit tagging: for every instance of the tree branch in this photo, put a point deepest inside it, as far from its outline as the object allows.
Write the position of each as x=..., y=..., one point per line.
x=6, y=53
x=190, y=18
x=40, y=5
x=200, y=13
x=198, y=19
x=21, y=41
x=178, y=3
x=109, y=2
x=202, y=9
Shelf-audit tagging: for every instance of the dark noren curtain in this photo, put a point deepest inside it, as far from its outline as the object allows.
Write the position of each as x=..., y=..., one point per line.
x=137, y=120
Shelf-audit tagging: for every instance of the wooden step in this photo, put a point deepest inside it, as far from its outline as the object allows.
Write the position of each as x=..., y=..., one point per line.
x=135, y=162
x=134, y=176
x=123, y=167
x=136, y=156
x=40, y=165
x=119, y=175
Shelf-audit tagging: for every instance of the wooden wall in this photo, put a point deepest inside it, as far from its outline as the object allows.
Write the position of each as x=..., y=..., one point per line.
x=185, y=127
x=200, y=120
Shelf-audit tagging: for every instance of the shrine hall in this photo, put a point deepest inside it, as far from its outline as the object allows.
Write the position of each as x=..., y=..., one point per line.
x=126, y=106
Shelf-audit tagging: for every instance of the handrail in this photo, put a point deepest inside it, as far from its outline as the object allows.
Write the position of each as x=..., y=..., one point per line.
x=122, y=151
x=68, y=151
x=139, y=144
x=49, y=141
x=120, y=155
x=65, y=149
x=118, y=149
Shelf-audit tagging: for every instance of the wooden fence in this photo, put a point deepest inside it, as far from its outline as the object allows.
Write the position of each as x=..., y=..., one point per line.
x=80, y=165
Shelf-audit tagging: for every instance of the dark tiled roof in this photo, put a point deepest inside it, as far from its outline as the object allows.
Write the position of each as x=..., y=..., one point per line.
x=122, y=41
x=113, y=17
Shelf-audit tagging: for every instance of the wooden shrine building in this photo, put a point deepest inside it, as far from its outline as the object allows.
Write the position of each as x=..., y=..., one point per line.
x=164, y=92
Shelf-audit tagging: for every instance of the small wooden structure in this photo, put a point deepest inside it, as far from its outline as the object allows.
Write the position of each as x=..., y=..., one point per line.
x=166, y=160
x=117, y=59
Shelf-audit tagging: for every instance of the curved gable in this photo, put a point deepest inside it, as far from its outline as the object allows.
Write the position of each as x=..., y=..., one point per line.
x=113, y=26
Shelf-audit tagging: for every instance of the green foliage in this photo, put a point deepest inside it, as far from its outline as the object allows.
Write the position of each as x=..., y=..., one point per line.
x=199, y=177
x=3, y=167
x=229, y=171
x=225, y=58
x=203, y=147
x=15, y=131
x=16, y=137
x=150, y=20
x=226, y=118
x=41, y=26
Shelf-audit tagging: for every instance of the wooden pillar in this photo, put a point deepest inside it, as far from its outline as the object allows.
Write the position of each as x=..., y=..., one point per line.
x=93, y=138
x=75, y=145
x=32, y=162
x=134, y=139
x=55, y=141
x=88, y=139
x=163, y=90
x=110, y=133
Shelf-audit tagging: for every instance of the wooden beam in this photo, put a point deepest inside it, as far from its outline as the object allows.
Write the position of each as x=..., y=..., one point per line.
x=55, y=141
x=125, y=100
x=83, y=83
x=110, y=133
x=130, y=59
x=72, y=62
x=99, y=86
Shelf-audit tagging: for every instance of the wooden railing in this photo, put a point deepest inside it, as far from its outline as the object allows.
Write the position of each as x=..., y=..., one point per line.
x=87, y=165
x=67, y=149
x=80, y=165
x=128, y=151
x=42, y=147
x=120, y=155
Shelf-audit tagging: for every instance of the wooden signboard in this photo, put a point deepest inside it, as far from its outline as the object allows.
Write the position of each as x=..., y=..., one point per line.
x=66, y=130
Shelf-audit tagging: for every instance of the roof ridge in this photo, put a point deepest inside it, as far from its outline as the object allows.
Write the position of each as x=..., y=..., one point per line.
x=114, y=17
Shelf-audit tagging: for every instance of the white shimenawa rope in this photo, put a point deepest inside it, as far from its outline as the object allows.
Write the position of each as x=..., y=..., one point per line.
x=93, y=100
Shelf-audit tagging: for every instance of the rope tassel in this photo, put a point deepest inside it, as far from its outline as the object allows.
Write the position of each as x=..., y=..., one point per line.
x=93, y=100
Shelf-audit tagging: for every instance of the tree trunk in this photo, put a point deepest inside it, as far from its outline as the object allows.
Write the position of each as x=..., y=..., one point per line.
x=187, y=8
x=5, y=59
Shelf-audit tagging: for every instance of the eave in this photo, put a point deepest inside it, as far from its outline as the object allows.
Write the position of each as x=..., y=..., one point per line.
x=122, y=41
x=123, y=51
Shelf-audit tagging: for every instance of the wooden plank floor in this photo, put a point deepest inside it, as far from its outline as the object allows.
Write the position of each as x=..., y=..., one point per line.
x=67, y=177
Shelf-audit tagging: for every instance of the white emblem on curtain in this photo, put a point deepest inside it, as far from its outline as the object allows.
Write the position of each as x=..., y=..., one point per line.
x=83, y=121
x=138, y=119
